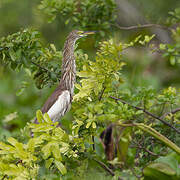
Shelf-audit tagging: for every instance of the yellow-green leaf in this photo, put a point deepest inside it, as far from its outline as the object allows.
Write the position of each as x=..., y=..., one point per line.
x=31, y=145
x=12, y=141
x=88, y=125
x=53, y=47
x=49, y=162
x=39, y=116
x=61, y=167
x=47, y=118
x=94, y=125
x=46, y=150
x=56, y=152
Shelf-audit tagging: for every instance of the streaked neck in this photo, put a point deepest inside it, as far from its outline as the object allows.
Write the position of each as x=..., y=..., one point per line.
x=68, y=76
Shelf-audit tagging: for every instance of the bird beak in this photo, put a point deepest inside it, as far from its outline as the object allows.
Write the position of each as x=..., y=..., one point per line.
x=89, y=32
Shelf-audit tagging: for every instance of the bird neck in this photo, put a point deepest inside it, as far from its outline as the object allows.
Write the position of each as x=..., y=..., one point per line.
x=68, y=76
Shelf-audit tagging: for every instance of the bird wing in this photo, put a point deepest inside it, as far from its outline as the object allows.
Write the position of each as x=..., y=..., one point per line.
x=50, y=101
x=60, y=106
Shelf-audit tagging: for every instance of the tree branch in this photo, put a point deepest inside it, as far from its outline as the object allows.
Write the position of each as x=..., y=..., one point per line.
x=105, y=167
x=141, y=26
x=147, y=112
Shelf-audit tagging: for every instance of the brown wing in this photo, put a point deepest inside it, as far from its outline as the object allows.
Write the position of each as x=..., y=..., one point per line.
x=50, y=101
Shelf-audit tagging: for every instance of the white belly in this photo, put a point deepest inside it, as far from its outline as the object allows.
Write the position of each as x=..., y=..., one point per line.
x=60, y=107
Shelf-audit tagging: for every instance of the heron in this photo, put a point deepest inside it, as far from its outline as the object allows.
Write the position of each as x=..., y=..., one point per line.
x=59, y=102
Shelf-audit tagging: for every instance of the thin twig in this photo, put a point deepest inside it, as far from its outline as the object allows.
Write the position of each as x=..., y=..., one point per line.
x=101, y=93
x=141, y=26
x=148, y=151
x=105, y=167
x=44, y=69
x=93, y=143
x=147, y=112
x=172, y=112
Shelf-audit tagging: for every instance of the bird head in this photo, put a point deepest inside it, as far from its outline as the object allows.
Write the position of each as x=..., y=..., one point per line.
x=76, y=34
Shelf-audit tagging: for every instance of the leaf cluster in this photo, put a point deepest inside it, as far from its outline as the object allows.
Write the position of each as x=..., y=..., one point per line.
x=91, y=14
x=24, y=50
x=171, y=50
x=49, y=145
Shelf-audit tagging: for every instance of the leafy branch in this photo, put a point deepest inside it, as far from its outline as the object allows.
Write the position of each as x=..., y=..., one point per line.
x=48, y=145
x=24, y=49
x=147, y=112
x=154, y=133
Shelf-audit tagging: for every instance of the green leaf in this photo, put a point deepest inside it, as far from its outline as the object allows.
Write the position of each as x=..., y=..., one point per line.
x=53, y=47
x=67, y=21
x=162, y=46
x=31, y=145
x=56, y=152
x=59, y=133
x=20, y=92
x=28, y=72
x=172, y=60
x=49, y=162
x=46, y=150
x=4, y=56
x=5, y=149
x=94, y=125
x=12, y=141
x=123, y=144
x=147, y=39
x=88, y=125
x=139, y=112
x=173, y=160
x=12, y=55
x=43, y=127
x=47, y=118
x=157, y=171
x=137, y=38
x=61, y=167
x=39, y=116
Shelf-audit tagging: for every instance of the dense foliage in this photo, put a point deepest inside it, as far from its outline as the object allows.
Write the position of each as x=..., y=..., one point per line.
x=115, y=130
